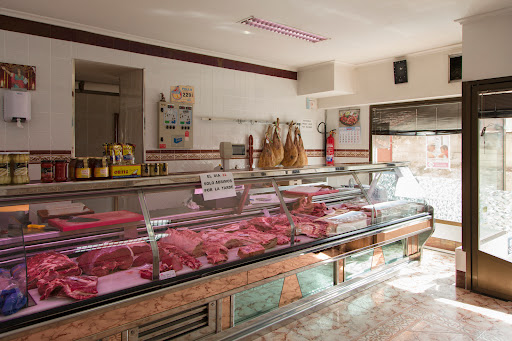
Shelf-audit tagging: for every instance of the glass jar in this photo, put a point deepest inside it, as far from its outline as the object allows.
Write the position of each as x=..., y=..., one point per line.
x=154, y=170
x=162, y=167
x=101, y=168
x=61, y=168
x=82, y=169
x=5, y=169
x=19, y=168
x=145, y=169
x=47, y=171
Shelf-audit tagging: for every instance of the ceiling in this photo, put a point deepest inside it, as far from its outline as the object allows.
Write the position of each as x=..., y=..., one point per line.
x=360, y=31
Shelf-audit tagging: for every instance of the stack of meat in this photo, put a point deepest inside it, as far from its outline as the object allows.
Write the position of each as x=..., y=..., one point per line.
x=306, y=206
x=54, y=274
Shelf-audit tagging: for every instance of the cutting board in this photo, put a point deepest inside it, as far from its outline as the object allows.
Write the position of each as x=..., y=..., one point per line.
x=100, y=219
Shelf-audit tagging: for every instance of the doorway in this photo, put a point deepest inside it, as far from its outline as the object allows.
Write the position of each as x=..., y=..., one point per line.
x=108, y=107
x=487, y=184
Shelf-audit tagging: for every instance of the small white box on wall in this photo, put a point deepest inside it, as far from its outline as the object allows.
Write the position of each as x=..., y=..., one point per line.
x=17, y=106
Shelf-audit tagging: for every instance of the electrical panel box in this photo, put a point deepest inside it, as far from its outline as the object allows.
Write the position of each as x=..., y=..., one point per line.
x=175, y=126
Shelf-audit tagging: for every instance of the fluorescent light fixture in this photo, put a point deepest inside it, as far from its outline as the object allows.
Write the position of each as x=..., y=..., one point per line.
x=282, y=29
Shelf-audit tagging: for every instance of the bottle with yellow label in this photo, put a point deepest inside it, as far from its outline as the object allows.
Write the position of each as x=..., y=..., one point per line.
x=82, y=170
x=19, y=168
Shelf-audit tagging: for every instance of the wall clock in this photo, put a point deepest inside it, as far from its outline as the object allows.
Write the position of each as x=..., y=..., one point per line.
x=400, y=71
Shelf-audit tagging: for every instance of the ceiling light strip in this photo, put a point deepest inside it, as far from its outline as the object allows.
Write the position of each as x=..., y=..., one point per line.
x=282, y=29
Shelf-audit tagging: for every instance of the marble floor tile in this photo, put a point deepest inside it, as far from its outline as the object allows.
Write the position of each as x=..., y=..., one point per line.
x=419, y=303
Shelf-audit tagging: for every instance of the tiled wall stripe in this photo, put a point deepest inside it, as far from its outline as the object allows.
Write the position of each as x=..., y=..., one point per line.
x=78, y=36
x=36, y=156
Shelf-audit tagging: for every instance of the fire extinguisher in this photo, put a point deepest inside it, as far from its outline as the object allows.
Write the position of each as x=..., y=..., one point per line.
x=329, y=149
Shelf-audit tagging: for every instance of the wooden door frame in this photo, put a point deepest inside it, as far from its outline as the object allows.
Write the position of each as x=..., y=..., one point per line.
x=470, y=135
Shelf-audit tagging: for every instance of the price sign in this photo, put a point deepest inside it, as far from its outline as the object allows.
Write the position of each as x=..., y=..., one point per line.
x=182, y=94
x=167, y=274
x=306, y=124
x=217, y=185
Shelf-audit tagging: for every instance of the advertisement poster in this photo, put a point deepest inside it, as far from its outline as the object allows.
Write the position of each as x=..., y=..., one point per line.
x=438, y=151
x=182, y=94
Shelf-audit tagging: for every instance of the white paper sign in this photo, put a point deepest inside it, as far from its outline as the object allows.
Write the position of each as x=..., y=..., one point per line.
x=306, y=124
x=217, y=185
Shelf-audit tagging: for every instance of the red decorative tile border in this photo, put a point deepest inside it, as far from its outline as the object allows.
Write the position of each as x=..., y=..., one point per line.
x=36, y=156
x=78, y=36
x=360, y=153
x=194, y=154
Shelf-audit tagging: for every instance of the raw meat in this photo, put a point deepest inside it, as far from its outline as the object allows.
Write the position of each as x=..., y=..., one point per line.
x=306, y=206
x=267, y=158
x=277, y=145
x=138, y=248
x=216, y=253
x=143, y=258
x=189, y=241
x=101, y=262
x=147, y=271
x=267, y=240
x=262, y=223
x=233, y=227
x=250, y=250
x=228, y=240
x=184, y=257
x=77, y=287
x=48, y=264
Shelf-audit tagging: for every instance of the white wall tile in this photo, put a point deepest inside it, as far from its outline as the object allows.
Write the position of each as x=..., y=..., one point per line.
x=41, y=122
x=62, y=132
x=41, y=101
x=17, y=138
x=61, y=49
x=34, y=171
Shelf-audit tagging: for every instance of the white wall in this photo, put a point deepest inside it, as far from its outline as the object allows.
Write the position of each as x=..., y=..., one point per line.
x=486, y=48
x=374, y=83
x=219, y=93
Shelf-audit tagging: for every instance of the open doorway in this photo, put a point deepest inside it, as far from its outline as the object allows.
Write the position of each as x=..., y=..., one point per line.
x=108, y=108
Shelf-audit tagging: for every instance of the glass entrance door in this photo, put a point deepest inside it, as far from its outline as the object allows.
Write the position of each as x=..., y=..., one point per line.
x=488, y=179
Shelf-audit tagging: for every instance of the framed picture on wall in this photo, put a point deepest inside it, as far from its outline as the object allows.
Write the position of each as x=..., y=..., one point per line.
x=350, y=117
x=16, y=76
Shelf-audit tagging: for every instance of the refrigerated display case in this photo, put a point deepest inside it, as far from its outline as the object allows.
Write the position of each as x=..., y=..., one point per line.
x=151, y=259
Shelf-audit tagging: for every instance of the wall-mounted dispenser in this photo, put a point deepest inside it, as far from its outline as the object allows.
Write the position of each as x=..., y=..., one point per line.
x=17, y=107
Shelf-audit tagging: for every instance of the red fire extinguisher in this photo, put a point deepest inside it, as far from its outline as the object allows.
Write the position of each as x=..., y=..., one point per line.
x=329, y=149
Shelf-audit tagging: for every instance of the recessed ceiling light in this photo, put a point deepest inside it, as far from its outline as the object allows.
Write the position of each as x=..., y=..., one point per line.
x=282, y=29
x=246, y=32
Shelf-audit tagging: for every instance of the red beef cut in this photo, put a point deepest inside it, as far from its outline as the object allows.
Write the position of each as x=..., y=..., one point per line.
x=77, y=287
x=229, y=240
x=49, y=264
x=143, y=258
x=267, y=240
x=138, y=248
x=216, y=253
x=262, y=223
x=250, y=250
x=184, y=257
x=189, y=241
x=104, y=261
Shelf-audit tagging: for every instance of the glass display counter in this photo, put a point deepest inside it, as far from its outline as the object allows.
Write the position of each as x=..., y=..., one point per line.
x=67, y=249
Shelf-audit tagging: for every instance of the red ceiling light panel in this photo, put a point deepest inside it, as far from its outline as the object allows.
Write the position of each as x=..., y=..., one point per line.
x=282, y=29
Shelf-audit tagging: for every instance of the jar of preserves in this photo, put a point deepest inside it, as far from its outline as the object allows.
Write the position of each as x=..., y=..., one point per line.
x=19, y=168
x=47, y=171
x=61, y=168
x=82, y=169
x=145, y=169
x=101, y=168
x=5, y=169
x=162, y=167
x=154, y=170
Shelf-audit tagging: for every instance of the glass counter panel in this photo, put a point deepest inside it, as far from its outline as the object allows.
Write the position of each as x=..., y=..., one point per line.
x=394, y=251
x=75, y=250
x=257, y=301
x=358, y=264
x=316, y=279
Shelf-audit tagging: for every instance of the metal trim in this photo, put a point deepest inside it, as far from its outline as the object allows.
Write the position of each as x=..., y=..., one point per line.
x=285, y=209
x=151, y=235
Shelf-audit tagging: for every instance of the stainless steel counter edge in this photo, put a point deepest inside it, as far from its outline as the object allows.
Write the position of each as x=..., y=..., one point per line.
x=8, y=192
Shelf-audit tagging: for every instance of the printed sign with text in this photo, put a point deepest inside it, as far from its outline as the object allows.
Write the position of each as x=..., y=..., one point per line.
x=217, y=185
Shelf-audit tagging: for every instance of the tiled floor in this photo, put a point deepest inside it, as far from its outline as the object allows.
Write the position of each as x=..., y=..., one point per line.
x=420, y=303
